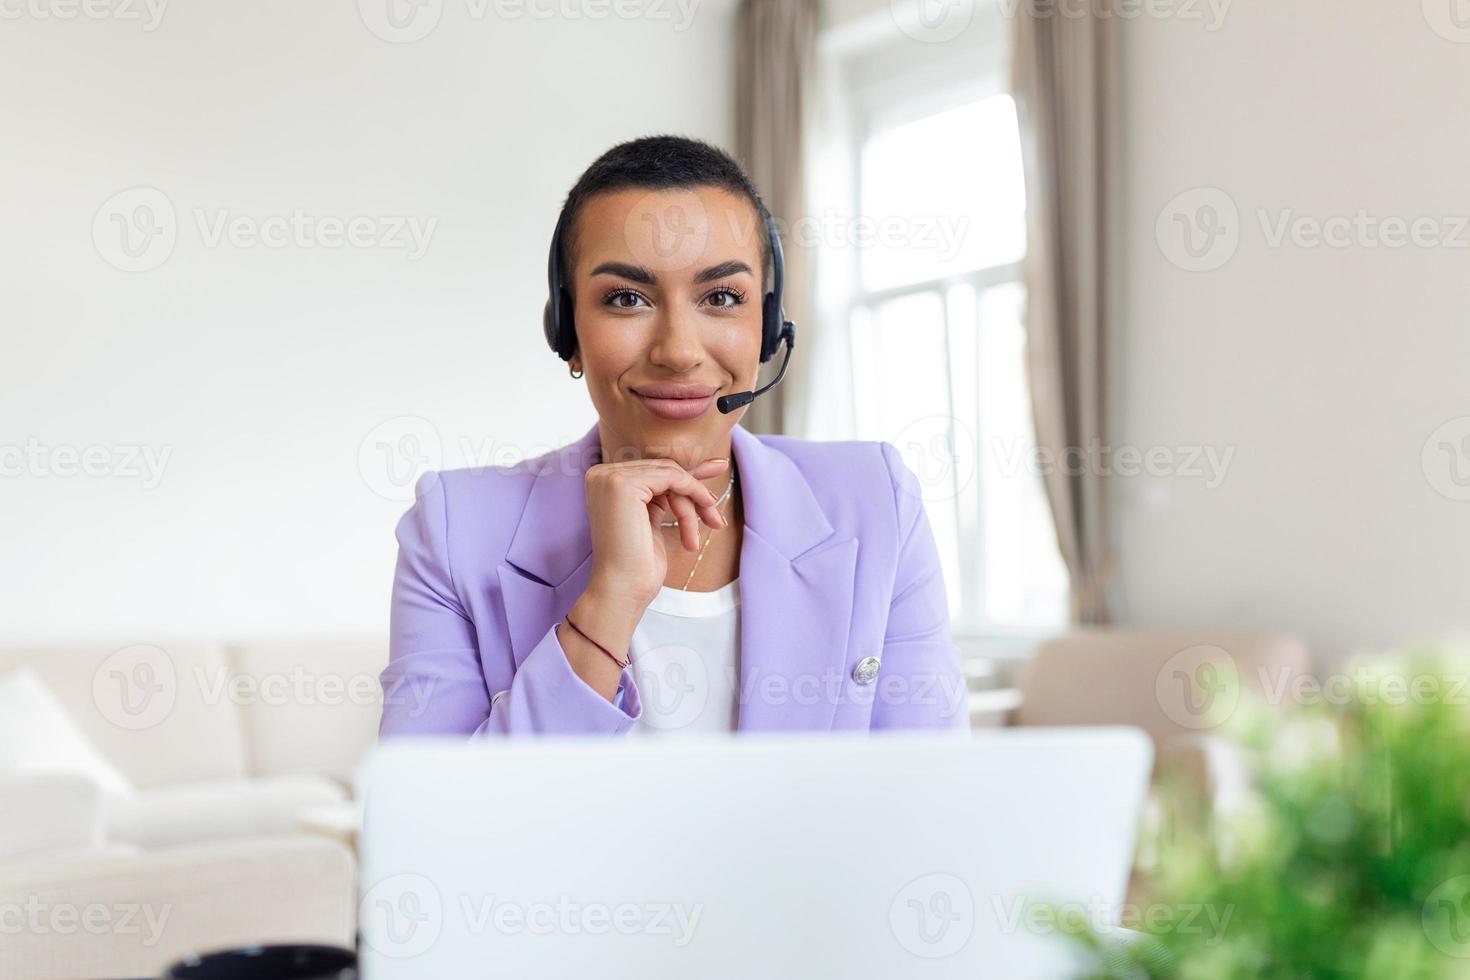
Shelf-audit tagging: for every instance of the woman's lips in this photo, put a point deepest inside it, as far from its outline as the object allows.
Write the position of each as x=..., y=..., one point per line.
x=679, y=409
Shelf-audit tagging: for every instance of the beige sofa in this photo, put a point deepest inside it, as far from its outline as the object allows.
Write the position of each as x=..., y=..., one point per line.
x=226, y=747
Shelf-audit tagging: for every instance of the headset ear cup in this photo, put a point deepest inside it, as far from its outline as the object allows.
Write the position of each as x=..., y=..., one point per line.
x=548, y=326
x=770, y=327
x=566, y=330
x=561, y=336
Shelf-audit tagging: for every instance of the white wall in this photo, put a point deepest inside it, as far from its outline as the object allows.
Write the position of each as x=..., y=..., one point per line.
x=263, y=370
x=1326, y=369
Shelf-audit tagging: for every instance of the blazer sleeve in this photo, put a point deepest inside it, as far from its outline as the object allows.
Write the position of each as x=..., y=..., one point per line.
x=434, y=683
x=921, y=682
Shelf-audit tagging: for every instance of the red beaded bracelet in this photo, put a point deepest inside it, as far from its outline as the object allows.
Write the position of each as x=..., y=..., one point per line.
x=621, y=663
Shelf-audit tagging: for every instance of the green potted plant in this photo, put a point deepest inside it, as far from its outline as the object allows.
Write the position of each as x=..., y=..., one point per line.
x=1352, y=859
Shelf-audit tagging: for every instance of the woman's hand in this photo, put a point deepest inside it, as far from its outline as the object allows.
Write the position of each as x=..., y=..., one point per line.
x=626, y=501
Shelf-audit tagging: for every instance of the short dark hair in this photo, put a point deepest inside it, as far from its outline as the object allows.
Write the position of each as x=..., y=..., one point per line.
x=662, y=162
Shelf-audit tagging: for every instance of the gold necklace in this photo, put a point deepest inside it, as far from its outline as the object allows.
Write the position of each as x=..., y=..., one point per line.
x=707, y=539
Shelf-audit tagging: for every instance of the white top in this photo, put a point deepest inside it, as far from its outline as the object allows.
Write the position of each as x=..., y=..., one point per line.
x=685, y=653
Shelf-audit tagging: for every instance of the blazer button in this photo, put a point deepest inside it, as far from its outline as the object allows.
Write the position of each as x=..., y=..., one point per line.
x=866, y=670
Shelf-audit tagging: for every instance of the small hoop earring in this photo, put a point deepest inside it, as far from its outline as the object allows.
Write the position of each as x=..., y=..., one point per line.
x=575, y=374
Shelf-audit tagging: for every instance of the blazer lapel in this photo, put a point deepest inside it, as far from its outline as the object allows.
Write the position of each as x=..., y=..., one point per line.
x=796, y=582
x=796, y=592
x=549, y=561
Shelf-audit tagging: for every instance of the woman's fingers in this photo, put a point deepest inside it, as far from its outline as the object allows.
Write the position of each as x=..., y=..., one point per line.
x=688, y=522
x=681, y=495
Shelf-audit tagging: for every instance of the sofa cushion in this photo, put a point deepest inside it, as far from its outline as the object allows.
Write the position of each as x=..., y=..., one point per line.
x=39, y=736
x=159, y=712
x=218, y=808
x=177, y=901
x=49, y=813
x=309, y=706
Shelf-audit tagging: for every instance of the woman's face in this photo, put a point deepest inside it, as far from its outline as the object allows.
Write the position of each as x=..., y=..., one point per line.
x=666, y=290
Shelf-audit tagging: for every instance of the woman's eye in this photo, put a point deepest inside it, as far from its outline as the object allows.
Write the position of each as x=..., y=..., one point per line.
x=624, y=299
x=731, y=297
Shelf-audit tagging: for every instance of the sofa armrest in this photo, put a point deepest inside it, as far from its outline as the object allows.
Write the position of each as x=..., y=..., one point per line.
x=994, y=708
x=133, y=915
x=49, y=812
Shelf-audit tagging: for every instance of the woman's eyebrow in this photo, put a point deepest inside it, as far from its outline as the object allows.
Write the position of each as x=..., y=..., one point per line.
x=722, y=270
x=634, y=272
x=639, y=274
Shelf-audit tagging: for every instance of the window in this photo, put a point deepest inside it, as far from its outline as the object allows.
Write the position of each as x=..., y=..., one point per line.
x=934, y=306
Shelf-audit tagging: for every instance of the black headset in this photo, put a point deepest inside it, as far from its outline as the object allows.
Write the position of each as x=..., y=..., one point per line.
x=561, y=333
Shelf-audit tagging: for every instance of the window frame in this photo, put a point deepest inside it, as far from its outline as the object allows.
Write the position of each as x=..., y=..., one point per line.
x=888, y=78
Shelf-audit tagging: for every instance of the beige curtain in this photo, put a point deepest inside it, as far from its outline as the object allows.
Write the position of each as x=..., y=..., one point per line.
x=775, y=56
x=1065, y=82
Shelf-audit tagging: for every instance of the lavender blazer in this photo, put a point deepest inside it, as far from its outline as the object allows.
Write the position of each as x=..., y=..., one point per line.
x=837, y=565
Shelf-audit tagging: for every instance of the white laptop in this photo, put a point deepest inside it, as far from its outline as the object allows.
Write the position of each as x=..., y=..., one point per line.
x=885, y=855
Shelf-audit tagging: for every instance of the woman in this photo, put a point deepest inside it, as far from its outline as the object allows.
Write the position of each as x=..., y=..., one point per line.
x=669, y=571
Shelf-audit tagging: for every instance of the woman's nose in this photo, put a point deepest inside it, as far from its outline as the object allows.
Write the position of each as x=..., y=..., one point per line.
x=677, y=343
